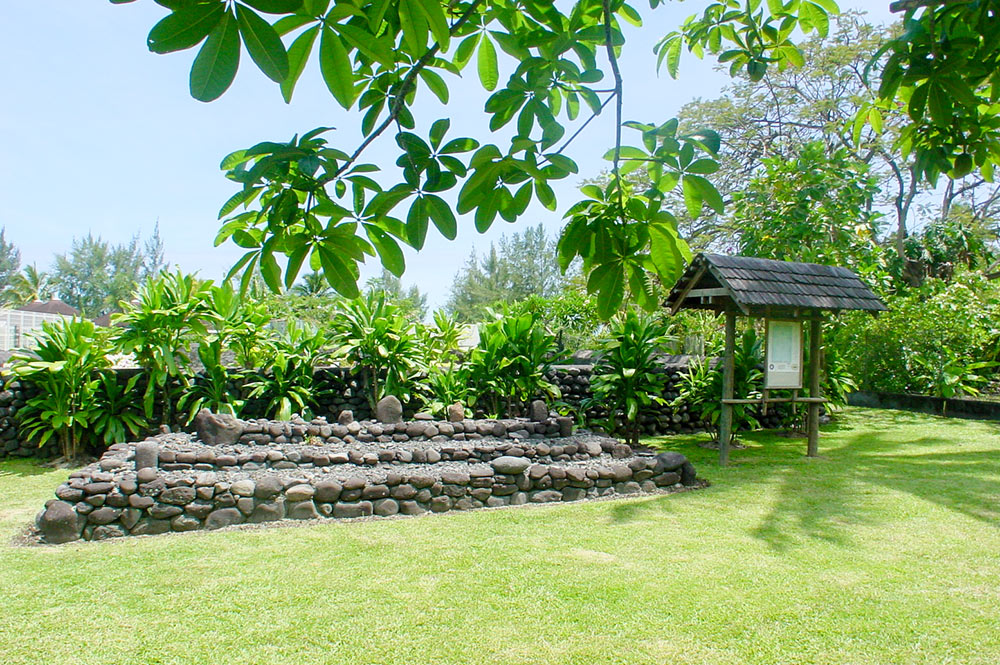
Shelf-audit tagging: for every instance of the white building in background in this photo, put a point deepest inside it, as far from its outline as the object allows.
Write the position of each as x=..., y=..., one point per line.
x=17, y=324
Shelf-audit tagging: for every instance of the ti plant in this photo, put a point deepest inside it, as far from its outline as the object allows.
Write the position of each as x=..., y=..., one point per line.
x=950, y=375
x=118, y=409
x=627, y=379
x=63, y=367
x=214, y=388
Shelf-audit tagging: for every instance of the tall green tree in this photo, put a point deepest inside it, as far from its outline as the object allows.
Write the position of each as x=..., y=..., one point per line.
x=29, y=285
x=94, y=276
x=10, y=264
x=519, y=266
x=409, y=300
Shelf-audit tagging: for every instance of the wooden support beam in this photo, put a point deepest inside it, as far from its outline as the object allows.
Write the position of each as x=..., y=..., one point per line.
x=815, y=363
x=729, y=362
x=778, y=400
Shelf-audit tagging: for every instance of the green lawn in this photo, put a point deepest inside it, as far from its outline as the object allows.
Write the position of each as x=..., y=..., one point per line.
x=885, y=550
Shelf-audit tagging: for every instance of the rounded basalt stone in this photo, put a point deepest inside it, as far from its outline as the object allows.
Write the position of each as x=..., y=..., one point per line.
x=147, y=475
x=127, y=486
x=481, y=493
x=69, y=494
x=456, y=412
x=666, y=479
x=301, y=492
x=404, y=491
x=59, y=523
x=518, y=498
x=669, y=461
x=573, y=493
x=151, y=527
x=269, y=511
x=389, y=410
x=591, y=448
x=349, y=510
x=466, y=503
x=557, y=472
x=245, y=505
x=440, y=504
x=104, y=515
x=147, y=455
x=355, y=483
x=185, y=523
x=328, y=491
x=630, y=487
x=302, y=510
x=267, y=487
x=385, y=507
x=245, y=487
x=576, y=474
x=98, y=488
x=178, y=496
x=546, y=496
x=455, y=478
x=621, y=473
x=223, y=517
x=432, y=456
x=130, y=516
x=371, y=492
x=511, y=465
x=415, y=429
x=411, y=508
x=106, y=531
x=688, y=474
x=161, y=512
x=141, y=502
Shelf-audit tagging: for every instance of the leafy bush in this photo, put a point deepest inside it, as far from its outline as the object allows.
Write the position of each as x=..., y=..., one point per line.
x=928, y=327
x=64, y=369
x=375, y=336
x=289, y=387
x=627, y=378
x=118, y=413
x=507, y=369
x=214, y=388
x=701, y=386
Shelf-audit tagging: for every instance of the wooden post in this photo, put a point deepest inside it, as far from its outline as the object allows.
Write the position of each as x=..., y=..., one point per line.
x=728, y=368
x=815, y=362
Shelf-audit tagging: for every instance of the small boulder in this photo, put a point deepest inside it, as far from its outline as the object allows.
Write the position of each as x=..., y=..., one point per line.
x=59, y=524
x=511, y=465
x=223, y=517
x=539, y=410
x=389, y=410
x=346, y=417
x=456, y=413
x=147, y=455
x=217, y=429
x=669, y=461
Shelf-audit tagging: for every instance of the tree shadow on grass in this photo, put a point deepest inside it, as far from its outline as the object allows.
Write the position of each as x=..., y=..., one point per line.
x=23, y=468
x=823, y=499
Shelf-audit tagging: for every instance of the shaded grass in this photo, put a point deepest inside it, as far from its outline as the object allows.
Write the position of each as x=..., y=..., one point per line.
x=884, y=550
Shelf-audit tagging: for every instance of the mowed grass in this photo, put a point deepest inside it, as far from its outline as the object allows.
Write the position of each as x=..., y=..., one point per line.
x=885, y=550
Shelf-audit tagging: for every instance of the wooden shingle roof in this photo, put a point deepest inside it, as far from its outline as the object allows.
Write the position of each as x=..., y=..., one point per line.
x=766, y=287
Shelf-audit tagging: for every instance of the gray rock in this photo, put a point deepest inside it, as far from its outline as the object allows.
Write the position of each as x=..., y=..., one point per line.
x=106, y=531
x=162, y=512
x=267, y=487
x=456, y=413
x=104, y=515
x=546, y=496
x=518, y=498
x=140, y=502
x=328, y=491
x=669, y=461
x=185, y=523
x=69, y=494
x=147, y=455
x=151, y=527
x=440, y=504
x=511, y=465
x=539, y=410
x=147, y=475
x=688, y=476
x=348, y=510
x=411, y=508
x=346, y=417
x=245, y=487
x=385, y=507
x=573, y=493
x=217, y=429
x=565, y=426
x=301, y=492
x=389, y=410
x=130, y=516
x=302, y=510
x=223, y=517
x=177, y=496
x=59, y=524
x=269, y=511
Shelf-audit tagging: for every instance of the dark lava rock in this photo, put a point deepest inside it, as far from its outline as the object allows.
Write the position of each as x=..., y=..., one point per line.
x=217, y=429
x=59, y=524
x=223, y=517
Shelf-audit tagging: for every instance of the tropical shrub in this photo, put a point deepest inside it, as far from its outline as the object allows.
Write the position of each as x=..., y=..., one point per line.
x=627, y=378
x=507, y=368
x=288, y=386
x=242, y=324
x=214, y=388
x=931, y=326
x=118, y=413
x=701, y=386
x=385, y=346
x=63, y=367
x=168, y=313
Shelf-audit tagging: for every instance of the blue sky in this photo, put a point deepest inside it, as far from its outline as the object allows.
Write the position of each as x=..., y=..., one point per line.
x=99, y=135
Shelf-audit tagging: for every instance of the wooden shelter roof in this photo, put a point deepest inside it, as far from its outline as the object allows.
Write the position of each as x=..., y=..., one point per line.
x=764, y=287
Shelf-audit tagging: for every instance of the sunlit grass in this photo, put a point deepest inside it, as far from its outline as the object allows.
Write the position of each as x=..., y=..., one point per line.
x=884, y=550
